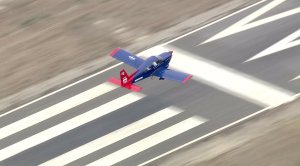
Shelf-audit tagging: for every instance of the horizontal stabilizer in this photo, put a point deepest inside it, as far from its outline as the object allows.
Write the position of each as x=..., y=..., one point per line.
x=131, y=87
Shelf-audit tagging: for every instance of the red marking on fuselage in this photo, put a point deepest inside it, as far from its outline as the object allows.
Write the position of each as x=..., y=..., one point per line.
x=125, y=79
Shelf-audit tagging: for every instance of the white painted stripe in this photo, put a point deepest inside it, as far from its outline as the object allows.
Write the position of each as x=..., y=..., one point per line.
x=296, y=78
x=214, y=132
x=271, y=18
x=113, y=137
x=283, y=44
x=149, y=142
x=69, y=125
x=55, y=109
x=226, y=79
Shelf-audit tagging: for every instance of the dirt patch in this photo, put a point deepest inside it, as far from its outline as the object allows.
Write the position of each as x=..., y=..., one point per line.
x=270, y=139
x=41, y=39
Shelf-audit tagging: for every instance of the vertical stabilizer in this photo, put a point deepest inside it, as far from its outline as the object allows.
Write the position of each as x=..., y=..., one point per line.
x=125, y=80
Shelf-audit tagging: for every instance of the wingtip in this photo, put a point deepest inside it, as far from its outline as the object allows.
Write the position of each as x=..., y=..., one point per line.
x=187, y=78
x=114, y=51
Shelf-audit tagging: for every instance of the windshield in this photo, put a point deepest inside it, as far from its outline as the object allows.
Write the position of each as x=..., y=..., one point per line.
x=153, y=65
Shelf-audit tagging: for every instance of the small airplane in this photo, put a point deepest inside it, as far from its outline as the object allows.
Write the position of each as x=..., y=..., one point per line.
x=152, y=66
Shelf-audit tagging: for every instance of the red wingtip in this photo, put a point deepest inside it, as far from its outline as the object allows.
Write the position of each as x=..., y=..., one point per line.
x=114, y=51
x=187, y=78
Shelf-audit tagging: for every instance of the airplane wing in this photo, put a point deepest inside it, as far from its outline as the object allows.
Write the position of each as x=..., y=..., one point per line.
x=127, y=57
x=174, y=75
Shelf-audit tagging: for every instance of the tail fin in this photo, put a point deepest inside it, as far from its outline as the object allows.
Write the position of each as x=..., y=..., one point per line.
x=125, y=79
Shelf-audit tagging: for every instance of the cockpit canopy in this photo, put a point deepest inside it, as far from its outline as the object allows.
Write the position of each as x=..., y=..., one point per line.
x=150, y=63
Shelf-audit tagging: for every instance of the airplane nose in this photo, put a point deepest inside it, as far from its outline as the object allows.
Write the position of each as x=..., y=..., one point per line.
x=170, y=54
x=166, y=55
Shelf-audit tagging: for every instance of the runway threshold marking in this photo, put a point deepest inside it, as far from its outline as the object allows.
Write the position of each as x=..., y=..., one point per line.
x=226, y=79
x=68, y=125
x=55, y=109
x=113, y=137
x=149, y=142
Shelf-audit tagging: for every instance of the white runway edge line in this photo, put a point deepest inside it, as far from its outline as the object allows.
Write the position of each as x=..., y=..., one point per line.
x=296, y=78
x=149, y=142
x=113, y=137
x=55, y=109
x=213, y=132
x=226, y=79
x=69, y=125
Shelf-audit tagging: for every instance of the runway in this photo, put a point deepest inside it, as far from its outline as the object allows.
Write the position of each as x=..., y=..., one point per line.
x=242, y=64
